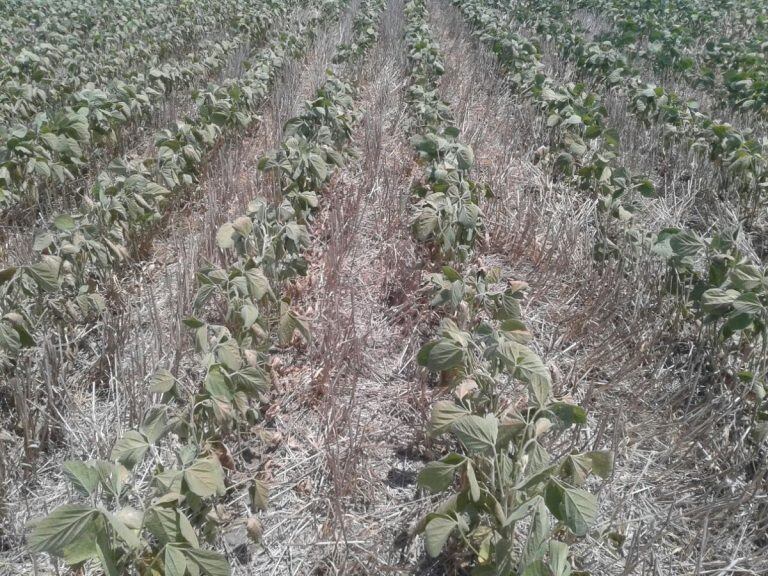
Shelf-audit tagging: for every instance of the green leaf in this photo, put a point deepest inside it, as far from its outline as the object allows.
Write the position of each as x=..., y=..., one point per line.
x=46, y=273
x=69, y=532
x=9, y=338
x=568, y=413
x=647, y=189
x=437, y=532
x=685, y=245
x=83, y=476
x=104, y=549
x=438, y=476
x=161, y=382
x=128, y=534
x=205, y=477
x=522, y=511
x=175, y=561
x=558, y=558
x=474, y=487
x=718, y=301
x=251, y=380
x=228, y=353
x=210, y=563
x=42, y=241
x=154, y=424
x=170, y=526
x=130, y=449
x=258, y=284
x=319, y=166
x=576, y=508
x=748, y=303
x=478, y=434
x=442, y=355
x=526, y=365
x=444, y=414
x=249, y=313
x=465, y=158
x=536, y=568
x=216, y=384
x=64, y=222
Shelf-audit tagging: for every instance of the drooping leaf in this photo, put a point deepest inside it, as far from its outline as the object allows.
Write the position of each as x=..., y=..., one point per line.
x=444, y=414
x=170, y=526
x=205, y=477
x=575, y=507
x=82, y=476
x=175, y=561
x=209, y=563
x=130, y=449
x=438, y=476
x=69, y=532
x=477, y=433
x=436, y=533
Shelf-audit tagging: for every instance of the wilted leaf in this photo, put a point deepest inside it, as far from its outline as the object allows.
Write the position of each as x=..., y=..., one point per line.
x=437, y=532
x=68, y=532
x=576, y=508
x=478, y=434
x=438, y=476
x=205, y=477
x=444, y=414
x=259, y=494
x=130, y=449
x=82, y=476
x=209, y=563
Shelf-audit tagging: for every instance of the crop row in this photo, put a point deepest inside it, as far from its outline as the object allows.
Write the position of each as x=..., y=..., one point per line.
x=58, y=148
x=712, y=44
x=182, y=437
x=738, y=157
x=80, y=252
x=502, y=411
x=709, y=276
x=41, y=78
x=133, y=40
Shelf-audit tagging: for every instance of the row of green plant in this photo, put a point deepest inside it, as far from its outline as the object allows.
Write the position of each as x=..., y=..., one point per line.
x=737, y=155
x=178, y=454
x=80, y=251
x=712, y=280
x=717, y=45
x=72, y=46
x=581, y=147
x=365, y=32
x=507, y=502
x=78, y=257
x=40, y=159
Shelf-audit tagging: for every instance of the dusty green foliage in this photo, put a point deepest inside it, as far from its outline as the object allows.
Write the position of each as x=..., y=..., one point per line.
x=712, y=280
x=83, y=249
x=154, y=504
x=446, y=215
x=69, y=121
x=502, y=488
x=737, y=155
x=689, y=39
x=365, y=32
x=501, y=476
x=307, y=157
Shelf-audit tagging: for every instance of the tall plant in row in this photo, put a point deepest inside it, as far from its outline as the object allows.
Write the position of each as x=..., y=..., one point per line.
x=505, y=497
x=178, y=454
